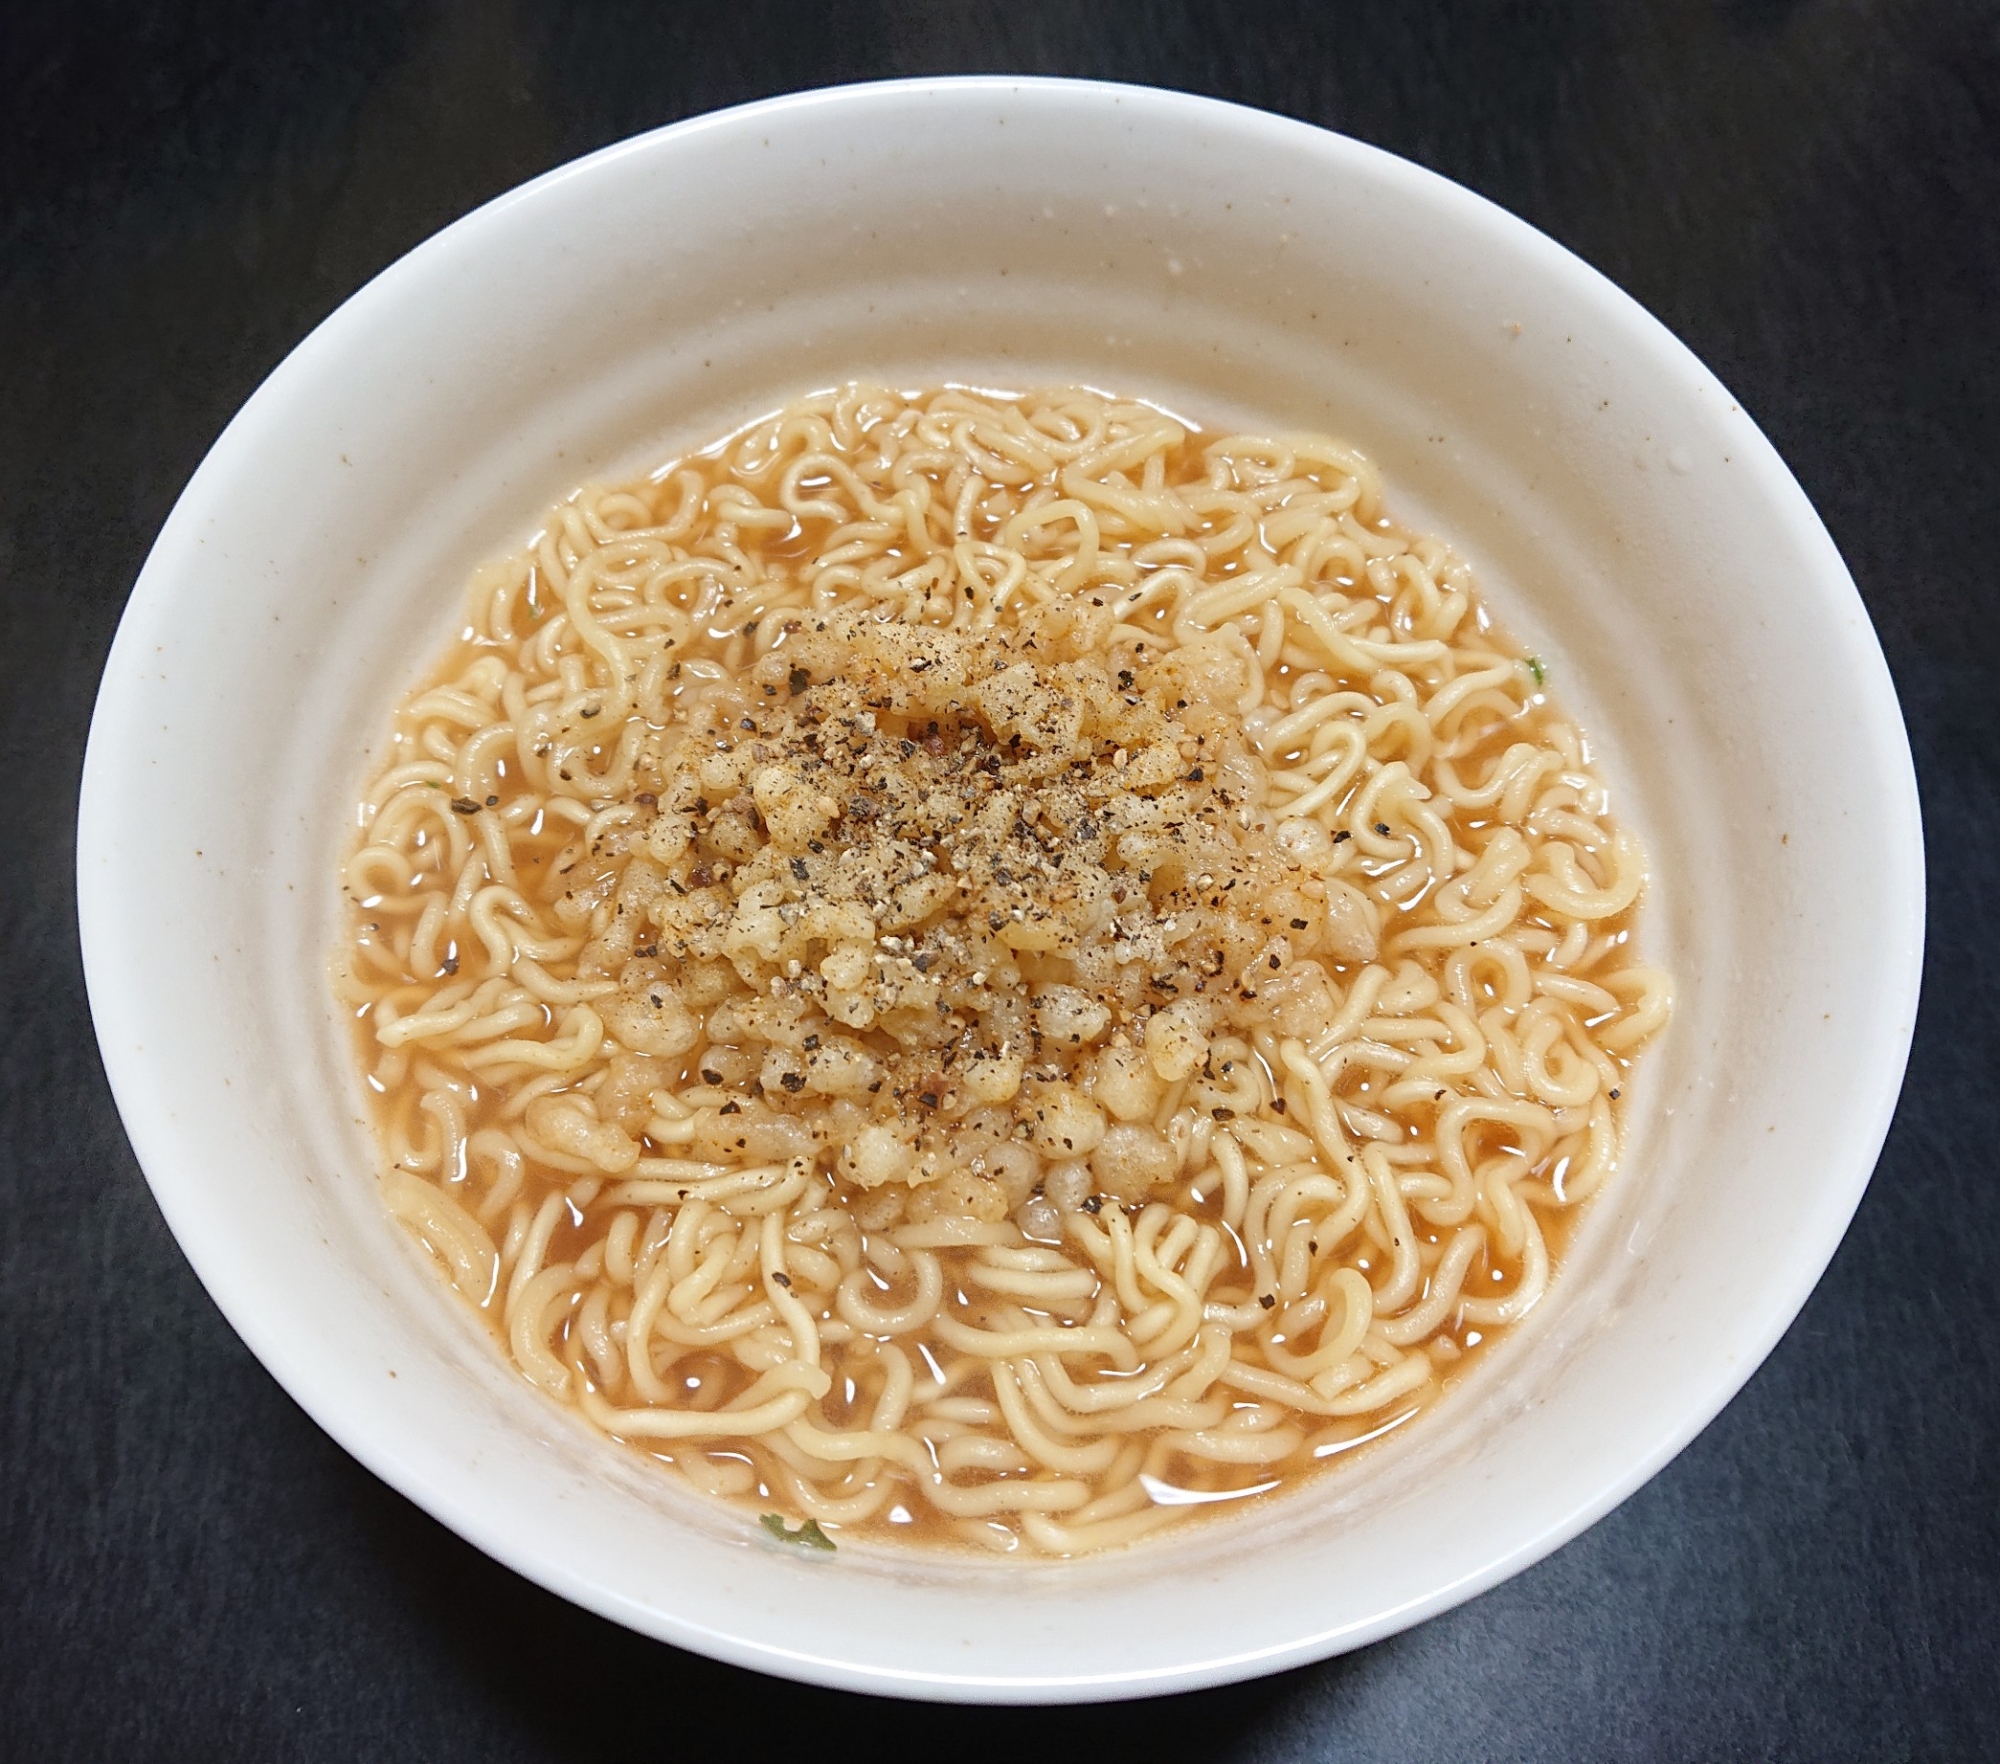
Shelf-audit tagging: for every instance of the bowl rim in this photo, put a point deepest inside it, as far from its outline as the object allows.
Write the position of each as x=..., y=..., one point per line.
x=152, y=1132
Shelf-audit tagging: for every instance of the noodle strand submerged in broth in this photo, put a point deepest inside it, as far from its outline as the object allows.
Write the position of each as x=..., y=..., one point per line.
x=992, y=965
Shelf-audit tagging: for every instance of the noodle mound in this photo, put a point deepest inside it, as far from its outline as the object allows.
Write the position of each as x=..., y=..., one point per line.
x=977, y=964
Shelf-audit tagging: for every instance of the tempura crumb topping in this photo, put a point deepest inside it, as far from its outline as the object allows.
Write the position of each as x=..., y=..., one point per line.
x=1014, y=878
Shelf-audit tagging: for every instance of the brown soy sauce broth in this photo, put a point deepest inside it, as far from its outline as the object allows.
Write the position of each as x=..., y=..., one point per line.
x=723, y=643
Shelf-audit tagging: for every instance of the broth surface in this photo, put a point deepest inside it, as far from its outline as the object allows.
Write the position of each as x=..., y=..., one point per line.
x=992, y=967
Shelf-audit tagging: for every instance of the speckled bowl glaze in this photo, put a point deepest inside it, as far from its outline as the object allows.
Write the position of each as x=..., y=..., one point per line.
x=1625, y=516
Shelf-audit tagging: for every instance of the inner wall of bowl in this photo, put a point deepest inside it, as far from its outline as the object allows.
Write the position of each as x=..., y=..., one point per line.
x=1619, y=511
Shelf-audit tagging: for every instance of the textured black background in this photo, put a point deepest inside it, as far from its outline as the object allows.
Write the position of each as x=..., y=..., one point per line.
x=1809, y=193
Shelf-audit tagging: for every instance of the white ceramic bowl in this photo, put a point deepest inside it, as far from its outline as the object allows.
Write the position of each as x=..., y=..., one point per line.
x=1626, y=517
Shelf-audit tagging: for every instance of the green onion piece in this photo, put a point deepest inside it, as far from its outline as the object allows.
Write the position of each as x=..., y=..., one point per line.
x=1536, y=668
x=808, y=1536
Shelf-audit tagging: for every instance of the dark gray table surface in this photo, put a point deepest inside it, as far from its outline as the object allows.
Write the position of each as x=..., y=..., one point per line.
x=1807, y=191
